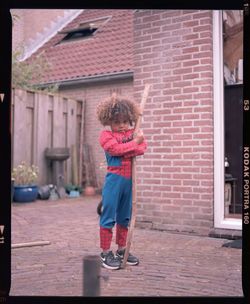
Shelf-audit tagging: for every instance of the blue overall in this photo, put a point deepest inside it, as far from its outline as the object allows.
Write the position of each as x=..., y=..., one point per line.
x=116, y=201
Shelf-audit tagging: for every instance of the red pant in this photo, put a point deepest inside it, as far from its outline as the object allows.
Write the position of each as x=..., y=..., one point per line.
x=107, y=233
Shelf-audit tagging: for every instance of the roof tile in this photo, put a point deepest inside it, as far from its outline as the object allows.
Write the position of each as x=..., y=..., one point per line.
x=109, y=50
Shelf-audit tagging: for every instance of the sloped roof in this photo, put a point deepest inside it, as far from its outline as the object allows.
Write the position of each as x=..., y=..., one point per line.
x=108, y=51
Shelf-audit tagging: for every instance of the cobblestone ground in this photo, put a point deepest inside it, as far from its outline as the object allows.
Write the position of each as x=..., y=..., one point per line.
x=170, y=264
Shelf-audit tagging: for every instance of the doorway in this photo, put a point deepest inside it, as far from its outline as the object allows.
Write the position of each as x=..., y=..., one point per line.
x=233, y=110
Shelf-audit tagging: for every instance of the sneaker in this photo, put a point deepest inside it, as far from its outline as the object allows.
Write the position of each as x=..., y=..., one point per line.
x=132, y=260
x=109, y=261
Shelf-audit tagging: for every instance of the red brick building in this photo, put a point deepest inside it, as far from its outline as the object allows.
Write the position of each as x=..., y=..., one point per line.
x=181, y=183
x=182, y=176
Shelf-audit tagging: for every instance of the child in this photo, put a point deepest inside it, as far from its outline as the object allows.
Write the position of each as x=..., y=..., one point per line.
x=120, y=145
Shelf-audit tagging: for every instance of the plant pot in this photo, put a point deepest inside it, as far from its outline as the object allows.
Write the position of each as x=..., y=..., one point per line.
x=89, y=191
x=25, y=193
x=74, y=193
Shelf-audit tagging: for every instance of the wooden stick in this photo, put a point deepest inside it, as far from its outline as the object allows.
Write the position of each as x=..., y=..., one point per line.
x=74, y=166
x=134, y=183
x=92, y=168
x=86, y=164
x=30, y=244
x=81, y=142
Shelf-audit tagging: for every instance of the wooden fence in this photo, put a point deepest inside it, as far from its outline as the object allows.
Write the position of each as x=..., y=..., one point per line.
x=41, y=120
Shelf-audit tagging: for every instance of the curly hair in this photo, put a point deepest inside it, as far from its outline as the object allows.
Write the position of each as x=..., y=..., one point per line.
x=117, y=108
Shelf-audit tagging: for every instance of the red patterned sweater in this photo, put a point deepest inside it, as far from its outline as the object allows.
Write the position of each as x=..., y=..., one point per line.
x=119, y=149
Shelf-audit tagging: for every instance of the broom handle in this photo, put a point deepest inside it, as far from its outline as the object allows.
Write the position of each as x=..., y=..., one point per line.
x=134, y=183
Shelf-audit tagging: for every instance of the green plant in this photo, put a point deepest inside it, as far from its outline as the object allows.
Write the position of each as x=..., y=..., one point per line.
x=71, y=187
x=24, y=174
x=29, y=73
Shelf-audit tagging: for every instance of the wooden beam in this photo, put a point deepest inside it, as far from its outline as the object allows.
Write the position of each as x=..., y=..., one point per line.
x=134, y=182
x=30, y=244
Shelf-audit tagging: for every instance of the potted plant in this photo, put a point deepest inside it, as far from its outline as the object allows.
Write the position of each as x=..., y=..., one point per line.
x=25, y=182
x=73, y=190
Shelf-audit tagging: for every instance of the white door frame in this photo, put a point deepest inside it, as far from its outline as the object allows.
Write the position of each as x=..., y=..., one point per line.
x=218, y=84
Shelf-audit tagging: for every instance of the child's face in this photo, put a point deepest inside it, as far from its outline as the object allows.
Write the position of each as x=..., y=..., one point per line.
x=120, y=126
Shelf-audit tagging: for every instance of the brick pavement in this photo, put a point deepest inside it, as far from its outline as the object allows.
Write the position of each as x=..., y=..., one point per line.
x=170, y=264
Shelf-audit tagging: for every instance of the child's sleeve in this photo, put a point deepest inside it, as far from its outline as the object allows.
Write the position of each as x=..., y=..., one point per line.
x=141, y=148
x=110, y=145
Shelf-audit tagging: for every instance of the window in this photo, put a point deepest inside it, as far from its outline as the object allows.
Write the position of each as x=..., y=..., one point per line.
x=79, y=33
x=233, y=46
x=83, y=31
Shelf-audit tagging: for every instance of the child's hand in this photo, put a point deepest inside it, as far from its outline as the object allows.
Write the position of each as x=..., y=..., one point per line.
x=139, y=137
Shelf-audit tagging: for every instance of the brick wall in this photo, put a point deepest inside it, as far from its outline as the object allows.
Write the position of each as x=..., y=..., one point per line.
x=173, y=52
x=93, y=94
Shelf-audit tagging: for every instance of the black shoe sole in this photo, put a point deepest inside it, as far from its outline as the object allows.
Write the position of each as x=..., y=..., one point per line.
x=132, y=263
x=129, y=263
